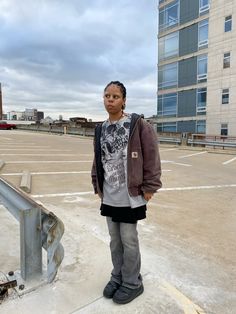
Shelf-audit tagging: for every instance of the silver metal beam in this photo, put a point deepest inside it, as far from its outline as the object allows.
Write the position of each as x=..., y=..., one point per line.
x=38, y=228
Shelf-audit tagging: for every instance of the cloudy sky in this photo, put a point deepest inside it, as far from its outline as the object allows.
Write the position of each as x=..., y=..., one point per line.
x=58, y=55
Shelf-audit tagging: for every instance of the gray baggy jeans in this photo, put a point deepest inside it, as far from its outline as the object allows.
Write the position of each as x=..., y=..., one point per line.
x=125, y=253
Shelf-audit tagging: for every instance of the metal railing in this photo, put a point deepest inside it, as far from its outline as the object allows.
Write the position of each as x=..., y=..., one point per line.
x=38, y=228
x=212, y=140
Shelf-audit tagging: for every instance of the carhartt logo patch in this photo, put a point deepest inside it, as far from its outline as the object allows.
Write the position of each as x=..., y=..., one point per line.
x=134, y=155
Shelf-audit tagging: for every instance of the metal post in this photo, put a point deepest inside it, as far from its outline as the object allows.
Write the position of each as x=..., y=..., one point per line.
x=30, y=243
x=38, y=227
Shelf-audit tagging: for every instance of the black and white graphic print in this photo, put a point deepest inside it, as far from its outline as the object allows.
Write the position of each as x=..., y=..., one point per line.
x=114, y=142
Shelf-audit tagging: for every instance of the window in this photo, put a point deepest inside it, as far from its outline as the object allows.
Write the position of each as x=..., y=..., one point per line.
x=201, y=126
x=228, y=23
x=169, y=16
x=224, y=129
x=201, y=100
x=168, y=75
x=203, y=34
x=167, y=127
x=225, y=96
x=169, y=46
x=203, y=5
x=202, y=68
x=226, y=62
x=167, y=105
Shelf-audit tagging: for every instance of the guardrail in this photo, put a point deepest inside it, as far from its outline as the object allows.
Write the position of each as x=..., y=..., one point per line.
x=212, y=140
x=57, y=129
x=174, y=140
x=38, y=228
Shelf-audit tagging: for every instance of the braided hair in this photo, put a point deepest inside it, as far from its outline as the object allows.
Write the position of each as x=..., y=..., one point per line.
x=121, y=86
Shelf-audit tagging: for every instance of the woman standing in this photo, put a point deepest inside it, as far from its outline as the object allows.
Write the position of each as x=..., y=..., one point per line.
x=126, y=173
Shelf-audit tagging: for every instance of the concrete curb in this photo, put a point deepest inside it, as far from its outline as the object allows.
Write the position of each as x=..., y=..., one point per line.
x=2, y=163
x=25, y=184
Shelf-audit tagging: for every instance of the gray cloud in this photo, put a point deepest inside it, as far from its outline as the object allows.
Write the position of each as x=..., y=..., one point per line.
x=58, y=55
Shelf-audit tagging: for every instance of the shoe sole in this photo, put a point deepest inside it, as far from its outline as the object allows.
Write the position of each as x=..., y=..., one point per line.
x=129, y=299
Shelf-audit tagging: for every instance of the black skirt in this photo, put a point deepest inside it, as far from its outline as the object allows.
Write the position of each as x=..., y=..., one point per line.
x=124, y=214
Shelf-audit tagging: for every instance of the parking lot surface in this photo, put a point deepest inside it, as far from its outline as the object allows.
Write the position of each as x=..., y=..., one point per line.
x=187, y=241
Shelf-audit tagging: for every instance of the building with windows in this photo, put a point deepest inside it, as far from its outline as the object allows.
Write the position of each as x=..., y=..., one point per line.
x=197, y=67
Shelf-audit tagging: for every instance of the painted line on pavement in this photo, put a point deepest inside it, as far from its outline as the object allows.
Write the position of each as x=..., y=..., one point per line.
x=175, y=163
x=188, y=306
x=167, y=150
x=201, y=187
x=229, y=161
x=34, y=148
x=46, y=173
x=188, y=188
x=46, y=161
x=61, y=194
x=62, y=155
x=57, y=172
x=195, y=154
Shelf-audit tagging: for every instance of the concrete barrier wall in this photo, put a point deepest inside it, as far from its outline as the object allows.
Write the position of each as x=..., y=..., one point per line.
x=57, y=129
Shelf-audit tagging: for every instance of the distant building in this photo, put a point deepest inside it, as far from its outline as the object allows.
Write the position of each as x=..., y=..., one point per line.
x=197, y=67
x=14, y=115
x=30, y=115
x=39, y=115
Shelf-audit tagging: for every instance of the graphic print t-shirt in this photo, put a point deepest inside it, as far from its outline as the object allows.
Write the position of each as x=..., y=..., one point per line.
x=114, y=142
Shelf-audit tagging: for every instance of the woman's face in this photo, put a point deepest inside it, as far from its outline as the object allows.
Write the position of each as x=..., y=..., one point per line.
x=113, y=99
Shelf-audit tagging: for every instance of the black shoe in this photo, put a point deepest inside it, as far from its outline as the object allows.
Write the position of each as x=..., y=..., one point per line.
x=125, y=295
x=110, y=289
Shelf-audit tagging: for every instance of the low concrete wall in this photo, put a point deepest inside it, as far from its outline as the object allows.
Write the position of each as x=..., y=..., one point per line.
x=57, y=129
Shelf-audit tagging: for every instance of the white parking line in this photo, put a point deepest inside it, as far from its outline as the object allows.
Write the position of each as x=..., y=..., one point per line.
x=56, y=172
x=62, y=155
x=34, y=148
x=188, y=306
x=186, y=188
x=167, y=150
x=175, y=163
x=195, y=154
x=229, y=161
x=61, y=194
x=45, y=161
x=201, y=187
x=46, y=173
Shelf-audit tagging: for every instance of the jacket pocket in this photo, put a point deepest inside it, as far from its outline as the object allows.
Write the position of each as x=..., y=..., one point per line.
x=135, y=167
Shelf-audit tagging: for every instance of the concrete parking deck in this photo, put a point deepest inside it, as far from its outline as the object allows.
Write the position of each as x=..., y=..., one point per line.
x=187, y=241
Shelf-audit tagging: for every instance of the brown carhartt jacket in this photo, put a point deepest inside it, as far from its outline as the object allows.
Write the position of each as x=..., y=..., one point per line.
x=143, y=159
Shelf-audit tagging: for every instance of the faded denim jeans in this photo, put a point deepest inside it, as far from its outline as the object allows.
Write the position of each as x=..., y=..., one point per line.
x=125, y=253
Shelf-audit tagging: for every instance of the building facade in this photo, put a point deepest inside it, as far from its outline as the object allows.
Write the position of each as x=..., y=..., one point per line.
x=197, y=67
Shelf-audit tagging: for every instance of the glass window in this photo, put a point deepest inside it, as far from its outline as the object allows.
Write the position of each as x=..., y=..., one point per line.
x=224, y=129
x=169, y=46
x=168, y=75
x=203, y=5
x=203, y=33
x=228, y=23
x=167, y=105
x=201, y=100
x=169, y=16
x=226, y=62
x=201, y=126
x=225, y=96
x=167, y=127
x=202, y=68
